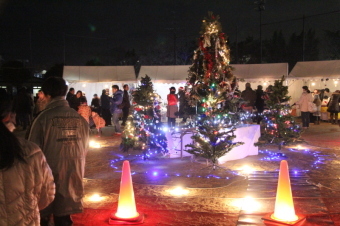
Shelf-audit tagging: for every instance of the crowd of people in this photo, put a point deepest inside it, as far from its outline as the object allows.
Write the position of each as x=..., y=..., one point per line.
x=255, y=100
x=326, y=103
x=43, y=174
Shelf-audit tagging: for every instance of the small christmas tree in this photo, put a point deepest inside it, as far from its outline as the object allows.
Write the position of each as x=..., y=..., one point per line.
x=143, y=130
x=129, y=137
x=279, y=125
x=212, y=87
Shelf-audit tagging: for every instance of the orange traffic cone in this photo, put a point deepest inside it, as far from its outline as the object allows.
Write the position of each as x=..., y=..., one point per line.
x=284, y=207
x=126, y=211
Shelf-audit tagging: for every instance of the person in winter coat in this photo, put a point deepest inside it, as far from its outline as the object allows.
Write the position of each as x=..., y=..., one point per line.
x=72, y=99
x=23, y=104
x=325, y=97
x=106, y=114
x=63, y=136
x=126, y=104
x=40, y=104
x=95, y=104
x=183, y=110
x=99, y=122
x=259, y=103
x=172, y=107
x=116, y=99
x=305, y=98
x=84, y=110
x=26, y=180
x=317, y=102
x=249, y=95
x=333, y=106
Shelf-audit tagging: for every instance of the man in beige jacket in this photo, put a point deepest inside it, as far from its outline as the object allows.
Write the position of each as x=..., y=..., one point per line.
x=63, y=136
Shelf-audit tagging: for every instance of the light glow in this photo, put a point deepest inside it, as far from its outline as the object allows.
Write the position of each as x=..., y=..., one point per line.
x=247, y=169
x=250, y=205
x=96, y=198
x=179, y=191
x=94, y=144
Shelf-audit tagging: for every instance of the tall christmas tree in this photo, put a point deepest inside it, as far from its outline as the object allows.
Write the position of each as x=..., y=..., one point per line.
x=212, y=87
x=144, y=129
x=279, y=126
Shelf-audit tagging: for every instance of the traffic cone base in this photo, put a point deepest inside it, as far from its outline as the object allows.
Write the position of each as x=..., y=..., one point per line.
x=269, y=218
x=136, y=220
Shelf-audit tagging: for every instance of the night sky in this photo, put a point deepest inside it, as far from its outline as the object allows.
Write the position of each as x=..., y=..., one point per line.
x=41, y=31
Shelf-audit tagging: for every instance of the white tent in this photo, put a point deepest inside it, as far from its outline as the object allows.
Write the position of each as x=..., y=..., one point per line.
x=316, y=69
x=315, y=75
x=249, y=72
x=260, y=72
x=93, y=79
x=165, y=74
x=165, y=77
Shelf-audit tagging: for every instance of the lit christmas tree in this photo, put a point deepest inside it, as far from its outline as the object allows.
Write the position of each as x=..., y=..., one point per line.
x=144, y=128
x=279, y=125
x=212, y=86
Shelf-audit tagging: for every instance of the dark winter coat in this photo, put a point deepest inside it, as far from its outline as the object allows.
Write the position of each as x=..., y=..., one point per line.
x=95, y=102
x=23, y=103
x=333, y=104
x=95, y=105
x=116, y=100
x=259, y=102
x=105, y=101
x=250, y=96
x=126, y=99
x=72, y=101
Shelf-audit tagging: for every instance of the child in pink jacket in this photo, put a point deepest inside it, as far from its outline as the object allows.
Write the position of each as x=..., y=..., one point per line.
x=98, y=121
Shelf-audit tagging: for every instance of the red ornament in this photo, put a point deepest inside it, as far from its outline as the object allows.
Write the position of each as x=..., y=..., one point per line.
x=146, y=116
x=137, y=109
x=215, y=132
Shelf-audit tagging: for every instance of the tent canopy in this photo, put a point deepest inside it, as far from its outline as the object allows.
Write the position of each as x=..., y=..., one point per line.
x=272, y=71
x=316, y=69
x=179, y=73
x=99, y=73
x=165, y=74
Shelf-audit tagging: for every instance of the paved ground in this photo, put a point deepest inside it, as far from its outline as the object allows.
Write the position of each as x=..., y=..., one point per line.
x=215, y=197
